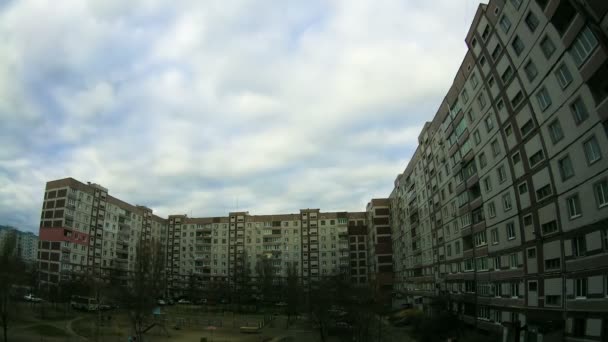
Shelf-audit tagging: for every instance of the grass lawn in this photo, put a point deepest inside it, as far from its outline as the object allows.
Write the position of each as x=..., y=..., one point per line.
x=47, y=330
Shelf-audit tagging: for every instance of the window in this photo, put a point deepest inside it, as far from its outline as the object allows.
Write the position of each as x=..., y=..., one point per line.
x=487, y=184
x=579, y=111
x=482, y=61
x=516, y=3
x=542, y=3
x=513, y=262
x=481, y=100
x=494, y=235
x=449, y=250
x=489, y=123
x=506, y=201
x=523, y=188
x=480, y=239
x=536, y=158
x=574, y=206
x=485, y=33
x=583, y=46
x=592, y=150
x=531, y=22
x=492, y=209
x=518, y=45
x=565, y=168
x=508, y=130
x=476, y=137
x=547, y=46
x=578, y=246
x=527, y=127
x=482, y=263
x=528, y=220
x=563, y=75
x=502, y=174
x=516, y=158
x=474, y=80
x=532, y=253
x=549, y=227
x=601, y=193
x=543, y=98
x=516, y=100
x=491, y=81
x=457, y=247
x=496, y=51
x=507, y=75
x=563, y=16
x=495, y=147
x=497, y=267
x=482, y=160
x=465, y=96
x=510, y=230
x=505, y=23
x=553, y=300
x=555, y=131
x=531, y=70
x=580, y=287
x=543, y=192
x=552, y=264
x=579, y=327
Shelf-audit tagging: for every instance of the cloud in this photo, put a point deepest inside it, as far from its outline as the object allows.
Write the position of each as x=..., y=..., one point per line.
x=192, y=106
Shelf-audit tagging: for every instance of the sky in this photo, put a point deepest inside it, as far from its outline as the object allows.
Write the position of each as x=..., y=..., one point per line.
x=206, y=107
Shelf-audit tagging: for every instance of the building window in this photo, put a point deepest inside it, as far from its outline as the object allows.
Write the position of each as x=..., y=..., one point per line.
x=531, y=253
x=543, y=192
x=563, y=75
x=505, y=23
x=523, y=188
x=542, y=3
x=531, y=21
x=579, y=248
x=482, y=101
x=579, y=111
x=543, y=98
x=496, y=51
x=497, y=267
x=465, y=96
x=511, y=231
x=579, y=327
x=552, y=264
x=494, y=235
x=516, y=3
x=601, y=193
x=506, y=201
x=480, y=239
x=474, y=80
x=513, y=261
x=566, y=170
x=449, y=250
x=507, y=75
x=516, y=158
x=555, y=131
x=574, y=206
x=489, y=123
x=553, y=300
x=527, y=127
x=536, y=158
x=580, y=287
x=492, y=209
x=487, y=182
x=582, y=47
x=476, y=137
x=495, y=148
x=518, y=46
x=457, y=247
x=482, y=160
x=502, y=174
x=508, y=130
x=592, y=150
x=549, y=227
x=516, y=100
x=531, y=70
x=547, y=46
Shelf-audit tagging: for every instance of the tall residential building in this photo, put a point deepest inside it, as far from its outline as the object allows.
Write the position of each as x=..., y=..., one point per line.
x=84, y=229
x=27, y=243
x=502, y=212
x=380, y=247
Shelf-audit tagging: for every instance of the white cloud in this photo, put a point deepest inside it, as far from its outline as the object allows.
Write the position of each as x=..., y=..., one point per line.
x=189, y=105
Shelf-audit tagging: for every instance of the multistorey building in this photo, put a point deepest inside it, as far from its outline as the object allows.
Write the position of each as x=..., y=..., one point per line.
x=27, y=243
x=83, y=229
x=502, y=212
x=380, y=247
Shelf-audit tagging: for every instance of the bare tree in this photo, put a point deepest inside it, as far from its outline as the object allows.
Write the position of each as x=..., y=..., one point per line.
x=144, y=285
x=265, y=277
x=11, y=271
x=293, y=292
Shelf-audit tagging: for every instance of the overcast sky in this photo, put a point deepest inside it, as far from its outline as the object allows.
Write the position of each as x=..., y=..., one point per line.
x=205, y=107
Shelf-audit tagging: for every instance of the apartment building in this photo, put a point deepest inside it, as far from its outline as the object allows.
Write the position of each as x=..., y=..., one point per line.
x=380, y=247
x=84, y=229
x=502, y=212
x=27, y=243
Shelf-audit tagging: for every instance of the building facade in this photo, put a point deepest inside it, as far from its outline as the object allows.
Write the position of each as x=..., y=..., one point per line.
x=84, y=229
x=502, y=213
x=27, y=243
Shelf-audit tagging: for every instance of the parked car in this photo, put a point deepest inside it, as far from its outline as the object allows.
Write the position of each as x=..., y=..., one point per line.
x=161, y=302
x=31, y=298
x=281, y=304
x=105, y=307
x=183, y=301
x=201, y=301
